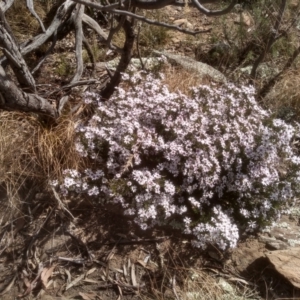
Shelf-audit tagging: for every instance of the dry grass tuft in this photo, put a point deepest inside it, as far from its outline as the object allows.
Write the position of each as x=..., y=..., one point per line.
x=29, y=149
x=30, y=155
x=178, y=280
x=54, y=149
x=284, y=98
x=16, y=132
x=24, y=25
x=178, y=79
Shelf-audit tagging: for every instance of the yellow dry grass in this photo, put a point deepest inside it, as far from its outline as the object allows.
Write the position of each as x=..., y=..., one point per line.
x=24, y=25
x=284, y=98
x=178, y=79
x=31, y=154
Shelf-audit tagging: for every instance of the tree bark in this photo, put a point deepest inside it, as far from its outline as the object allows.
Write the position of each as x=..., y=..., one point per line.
x=124, y=61
x=12, y=53
x=13, y=98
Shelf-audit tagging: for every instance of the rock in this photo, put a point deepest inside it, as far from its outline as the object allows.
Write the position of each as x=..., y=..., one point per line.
x=150, y=63
x=263, y=70
x=287, y=263
x=244, y=19
x=273, y=243
x=293, y=4
x=203, y=70
x=238, y=8
x=284, y=234
x=180, y=22
x=175, y=40
x=226, y=287
x=183, y=23
x=243, y=258
x=189, y=26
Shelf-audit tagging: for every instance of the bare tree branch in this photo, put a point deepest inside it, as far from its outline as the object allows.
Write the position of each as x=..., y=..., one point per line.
x=12, y=53
x=69, y=17
x=102, y=35
x=124, y=61
x=141, y=18
x=30, y=6
x=272, y=38
x=63, y=11
x=90, y=54
x=7, y=5
x=13, y=98
x=267, y=87
x=210, y=13
x=96, y=27
x=54, y=40
x=78, y=40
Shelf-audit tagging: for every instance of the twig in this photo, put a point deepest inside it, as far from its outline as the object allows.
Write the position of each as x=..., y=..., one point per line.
x=272, y=38
x=60, y=203
x=210, y=13
x=32, y=285
x=74, y=84
x=79, y=261
x=90, y=54
x=54, y=40
x=138, y=47
x=174, y=287
x=34, y=237
x=138, y=17
x=132, y=242
x=9, y=286
x=124, y=60
x=30, y=6
x=72, y=235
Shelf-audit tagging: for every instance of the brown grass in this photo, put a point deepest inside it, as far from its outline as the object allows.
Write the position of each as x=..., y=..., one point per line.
x=23, y=24
x=179, y=79
x=284, y=99
x=30, y=155
x=30, y=149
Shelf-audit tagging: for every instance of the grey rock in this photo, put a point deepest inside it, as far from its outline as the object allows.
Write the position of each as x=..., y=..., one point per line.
x=203, y=70
x=284, y=234
x=150, y=63
x=226, y=287
x=263, y=71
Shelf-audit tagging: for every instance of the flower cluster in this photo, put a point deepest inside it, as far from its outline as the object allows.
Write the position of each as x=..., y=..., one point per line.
x=213, y=163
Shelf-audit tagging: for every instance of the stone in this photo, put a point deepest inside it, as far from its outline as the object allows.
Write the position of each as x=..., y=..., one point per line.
x=287, y=263
x=244, y=19
x=175, y=40
x=273, y=243
x=284, y=234
x=150, y=63
x=245, y=257
x=263, y=71
x=180, y=22
x=201, y=69
x=293, y=4
x=183, y=23
x=189, y=25
x=226, y=287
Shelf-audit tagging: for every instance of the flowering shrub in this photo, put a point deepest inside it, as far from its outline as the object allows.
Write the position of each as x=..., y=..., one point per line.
x=212, y=164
